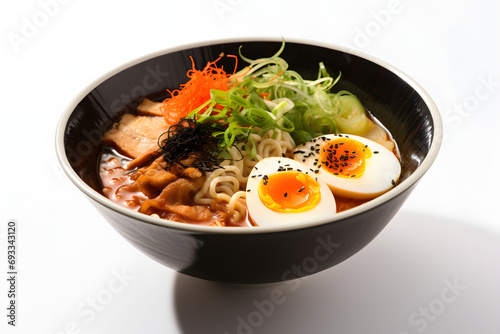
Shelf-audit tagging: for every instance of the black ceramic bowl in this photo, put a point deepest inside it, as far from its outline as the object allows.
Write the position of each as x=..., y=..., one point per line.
x=245, y=254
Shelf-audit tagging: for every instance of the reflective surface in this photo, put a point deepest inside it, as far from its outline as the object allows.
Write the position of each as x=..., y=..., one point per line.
x=427, y=285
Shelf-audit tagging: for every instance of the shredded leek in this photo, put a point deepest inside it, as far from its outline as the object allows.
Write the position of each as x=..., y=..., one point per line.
x=266, y=95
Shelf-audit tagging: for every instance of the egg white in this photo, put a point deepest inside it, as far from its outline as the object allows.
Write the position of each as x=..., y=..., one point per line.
x=381, y=174
x=264, y=216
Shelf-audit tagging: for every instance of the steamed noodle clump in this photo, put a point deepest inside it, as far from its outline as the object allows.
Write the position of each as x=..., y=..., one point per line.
x=226, y=184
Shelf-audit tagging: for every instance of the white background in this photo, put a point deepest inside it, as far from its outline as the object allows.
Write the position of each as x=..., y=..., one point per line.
x=434, y=269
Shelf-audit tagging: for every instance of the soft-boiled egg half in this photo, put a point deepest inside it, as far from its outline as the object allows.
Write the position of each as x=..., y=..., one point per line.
x=352, y=166
x=282, y=190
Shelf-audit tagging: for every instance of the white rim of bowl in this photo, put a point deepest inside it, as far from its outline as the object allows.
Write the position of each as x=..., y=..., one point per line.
x=401, y=187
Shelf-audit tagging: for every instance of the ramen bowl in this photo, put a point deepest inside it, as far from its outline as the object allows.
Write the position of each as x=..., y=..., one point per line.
x=251, y=255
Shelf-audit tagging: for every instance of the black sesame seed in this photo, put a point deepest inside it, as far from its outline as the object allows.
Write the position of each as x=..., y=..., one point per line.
x=286, y=194
x=301, y=189
x=375, y=152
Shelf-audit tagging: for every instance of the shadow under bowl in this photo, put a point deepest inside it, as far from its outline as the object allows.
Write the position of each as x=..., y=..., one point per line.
x=241, y=254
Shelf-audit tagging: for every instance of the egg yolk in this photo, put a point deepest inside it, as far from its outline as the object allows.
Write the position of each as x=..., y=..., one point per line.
x=344, y=157
x=289, y=191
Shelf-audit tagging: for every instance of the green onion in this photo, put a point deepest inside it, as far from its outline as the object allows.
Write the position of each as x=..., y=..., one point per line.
x=266, y=95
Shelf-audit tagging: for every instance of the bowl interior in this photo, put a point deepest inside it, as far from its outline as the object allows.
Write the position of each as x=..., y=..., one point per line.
x=384, y=92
